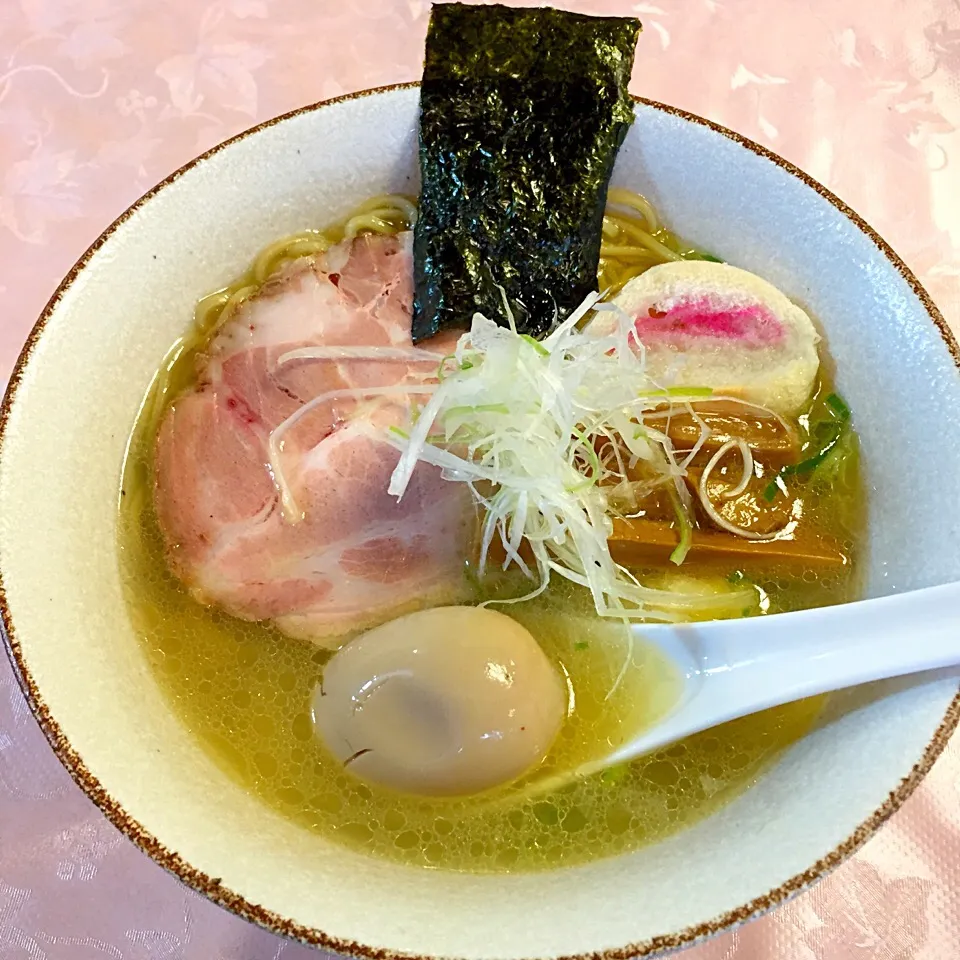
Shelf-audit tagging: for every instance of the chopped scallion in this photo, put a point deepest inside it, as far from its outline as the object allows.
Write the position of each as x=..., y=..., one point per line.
x=837, y=403
x=539, y=347
x=681, y=550
x=613, y=775
x=825, y=434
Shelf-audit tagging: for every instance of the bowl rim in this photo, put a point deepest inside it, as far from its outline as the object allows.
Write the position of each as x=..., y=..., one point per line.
x=211, y=887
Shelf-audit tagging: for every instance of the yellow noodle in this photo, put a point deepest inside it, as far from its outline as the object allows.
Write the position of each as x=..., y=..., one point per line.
x=631, y=243
x=626, y=250
x=236, y=298
x=627, y=198
x=286, y=248
x=610, y=276
x=381, y=214
x=653, y=243
x=634, y=229
x=393, y=202
x=373, y=222
x=207, y=311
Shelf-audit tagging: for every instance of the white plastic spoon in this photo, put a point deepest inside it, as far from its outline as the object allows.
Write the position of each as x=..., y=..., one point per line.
x=732, y=668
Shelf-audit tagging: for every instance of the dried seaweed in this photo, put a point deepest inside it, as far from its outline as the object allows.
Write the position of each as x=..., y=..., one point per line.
x=522, y=112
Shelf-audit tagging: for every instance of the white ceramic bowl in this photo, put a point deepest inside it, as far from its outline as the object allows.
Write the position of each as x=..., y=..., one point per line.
x=66, y=418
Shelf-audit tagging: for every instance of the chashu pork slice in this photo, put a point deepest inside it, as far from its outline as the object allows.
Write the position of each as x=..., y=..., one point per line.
x=347, y=555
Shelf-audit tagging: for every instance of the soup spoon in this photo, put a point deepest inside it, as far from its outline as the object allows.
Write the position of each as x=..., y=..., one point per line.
x=732, y=668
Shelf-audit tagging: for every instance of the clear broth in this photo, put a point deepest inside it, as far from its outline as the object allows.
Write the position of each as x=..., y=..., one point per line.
x=244, y=691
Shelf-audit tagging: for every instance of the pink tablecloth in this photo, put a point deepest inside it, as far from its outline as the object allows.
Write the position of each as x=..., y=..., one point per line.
x=99, y=99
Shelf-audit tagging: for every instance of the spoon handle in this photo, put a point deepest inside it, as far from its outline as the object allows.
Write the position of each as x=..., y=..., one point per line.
x=738, y=667
x=802, y=654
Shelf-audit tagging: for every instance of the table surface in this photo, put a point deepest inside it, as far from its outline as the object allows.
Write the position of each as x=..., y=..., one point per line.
x=100, y=99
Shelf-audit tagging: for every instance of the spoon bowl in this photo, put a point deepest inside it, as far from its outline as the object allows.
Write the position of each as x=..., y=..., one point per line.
x=732, y=668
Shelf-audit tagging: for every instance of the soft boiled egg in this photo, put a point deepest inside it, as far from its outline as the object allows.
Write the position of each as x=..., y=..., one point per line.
x=453, y=700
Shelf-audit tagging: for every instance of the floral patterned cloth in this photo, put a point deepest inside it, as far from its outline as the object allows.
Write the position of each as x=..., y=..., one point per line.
x=99, y=99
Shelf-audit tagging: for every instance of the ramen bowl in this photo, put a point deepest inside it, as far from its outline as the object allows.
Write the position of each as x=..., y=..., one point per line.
x=66, y=420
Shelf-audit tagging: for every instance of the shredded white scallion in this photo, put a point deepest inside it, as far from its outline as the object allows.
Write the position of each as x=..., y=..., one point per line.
x=406, y=354
x=542, y=424
x=547, y=434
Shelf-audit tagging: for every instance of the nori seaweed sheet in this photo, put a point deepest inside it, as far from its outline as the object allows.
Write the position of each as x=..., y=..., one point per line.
x=522, y=112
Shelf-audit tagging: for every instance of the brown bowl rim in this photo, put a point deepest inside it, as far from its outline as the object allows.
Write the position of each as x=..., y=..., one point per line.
x=211, y=887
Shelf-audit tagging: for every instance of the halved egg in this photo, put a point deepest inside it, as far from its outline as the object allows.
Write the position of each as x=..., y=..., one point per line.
x=453, y=700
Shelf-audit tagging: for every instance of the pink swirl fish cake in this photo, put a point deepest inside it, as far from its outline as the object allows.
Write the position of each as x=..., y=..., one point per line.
x=707, y=324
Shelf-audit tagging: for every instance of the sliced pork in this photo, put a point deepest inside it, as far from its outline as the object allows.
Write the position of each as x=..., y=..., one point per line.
x=338, y=553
